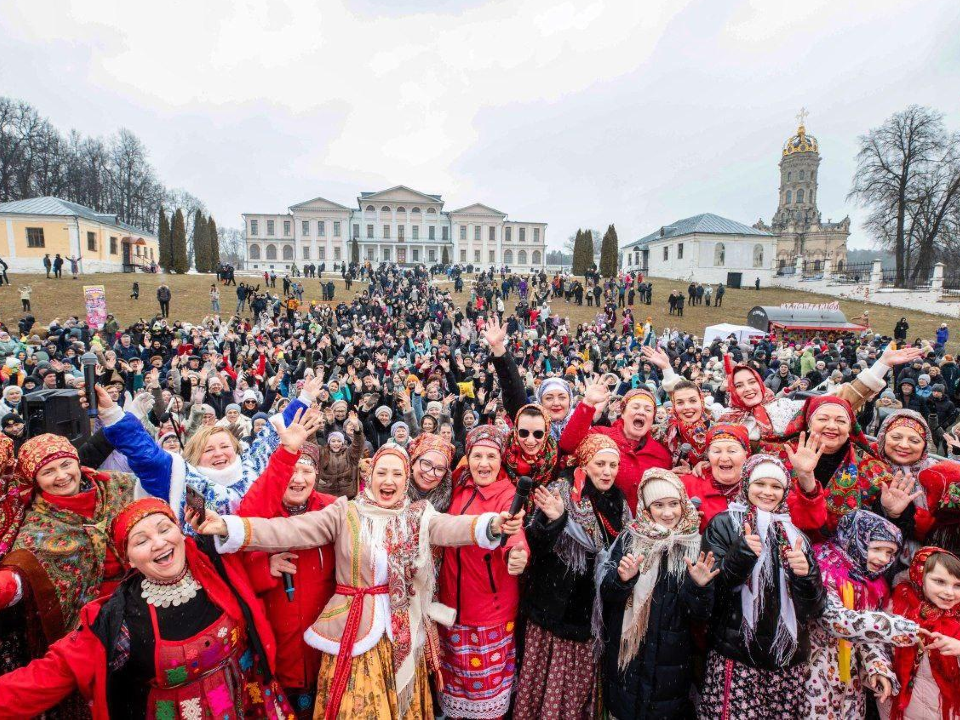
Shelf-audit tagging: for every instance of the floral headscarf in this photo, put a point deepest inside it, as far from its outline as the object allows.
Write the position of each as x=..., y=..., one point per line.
x=914, y=421
x=516, y=463
x=556, y=428
x=15, y=494
x=439, y=496
x=739, y=410
x=728, y=431
x=644, y=536
x=40, y=450
x=132, y=514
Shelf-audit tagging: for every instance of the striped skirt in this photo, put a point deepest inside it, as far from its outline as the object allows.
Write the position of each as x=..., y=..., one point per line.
x=478, y=666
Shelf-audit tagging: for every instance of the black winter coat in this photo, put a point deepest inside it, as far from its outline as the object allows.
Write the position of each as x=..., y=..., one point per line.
x=736, y=560
x=656, y=683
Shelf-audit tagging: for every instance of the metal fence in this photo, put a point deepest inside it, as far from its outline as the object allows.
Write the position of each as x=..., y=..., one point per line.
x=787, y=266
x=812, y=269
x=951, y=286
x=853, y=273
x=889, y=280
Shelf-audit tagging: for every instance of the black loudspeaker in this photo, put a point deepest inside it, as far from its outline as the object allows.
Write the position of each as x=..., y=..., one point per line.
x=56, y=411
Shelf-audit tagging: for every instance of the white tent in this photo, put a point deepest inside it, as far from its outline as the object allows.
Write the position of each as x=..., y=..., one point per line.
x=742, y=333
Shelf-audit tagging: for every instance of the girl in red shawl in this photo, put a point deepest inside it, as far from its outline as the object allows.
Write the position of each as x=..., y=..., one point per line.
x=767, y=418
x=929, y=676
x=183, y=636
x=287, y=488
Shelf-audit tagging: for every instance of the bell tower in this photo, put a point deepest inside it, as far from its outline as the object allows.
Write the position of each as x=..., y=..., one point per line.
x=799, y=164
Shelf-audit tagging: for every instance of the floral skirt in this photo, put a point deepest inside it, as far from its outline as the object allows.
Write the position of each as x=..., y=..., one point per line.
x=558, y=678
x=734, y=691
x=371, y=692
x=478, y=665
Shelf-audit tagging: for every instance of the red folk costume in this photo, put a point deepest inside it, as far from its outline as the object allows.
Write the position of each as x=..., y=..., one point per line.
x=941, y=485
x=807, y=511
x=223, y=668
x=541, y=468
x=635, y=458
x=298, y=664
x=912, y=664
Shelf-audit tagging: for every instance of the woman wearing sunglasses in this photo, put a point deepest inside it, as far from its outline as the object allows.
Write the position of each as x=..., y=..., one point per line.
x=531, y=449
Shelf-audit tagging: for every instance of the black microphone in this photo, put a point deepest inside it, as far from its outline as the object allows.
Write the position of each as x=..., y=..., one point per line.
x=288, y=585
x=524, y=486
x=685, y=451
x=89, y=363
x=697, y=502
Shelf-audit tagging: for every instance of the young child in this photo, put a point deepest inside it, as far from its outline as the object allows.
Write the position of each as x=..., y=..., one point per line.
x=929, y=675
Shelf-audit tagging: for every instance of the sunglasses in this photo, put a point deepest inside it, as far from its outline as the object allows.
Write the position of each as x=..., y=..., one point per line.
x=537, y=434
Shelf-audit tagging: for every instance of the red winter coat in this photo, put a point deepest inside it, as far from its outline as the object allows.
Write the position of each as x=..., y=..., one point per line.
x=633, y=461
x=808, y=513
x=474, y=581
x=314, y=582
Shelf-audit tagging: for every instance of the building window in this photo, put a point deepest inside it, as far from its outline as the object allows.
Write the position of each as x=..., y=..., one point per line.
x=401, y=232
x=802, y=174
x=522, y=257
x=370, y=209
x=321, y=228
x=789, y=197
x=719, y=255
x=286, y=228
x=508, y=257
x=431, y=211
x=523, y=234
x=321, y=253
x=432, y=232
x=113, y=246
x=385, y=209
x=370, y=231
x=799, y=196
x=536, y=235
x=493, y=256
x=35, y=237
x=476, y=256
x=306, y=252
x=463, y=255
x=416, y=254
x=254, y=252
x=492, y=235
x=816, y=266
x=386, y=254
x=432, y=255
x=476, y=232
x=758, y=256
x=269, y=228
x=386, y=232
x=336, y=228
x=445, y=232
x=92, y=241
x=415, y=232
x=789, y=176
x=271, y=252
x=371, y=255
x=254, y=227
x=509, y=236
x=679, y=251
x=336, y=253
x=666, y=253
x=305, y=228
x=288, y=252
x=151, y=254
x=463, y=232
x=536, y=257
x=356, y=230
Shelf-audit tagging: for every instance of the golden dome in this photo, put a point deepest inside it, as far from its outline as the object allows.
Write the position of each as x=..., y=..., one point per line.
x=801, y=142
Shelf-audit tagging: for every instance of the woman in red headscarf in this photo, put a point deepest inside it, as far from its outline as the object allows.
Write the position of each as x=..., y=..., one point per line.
x=183, y=636
x=481, y=585
x=728, y=447
x=63, y=556
x=929, y=677
x=767, y=417
x=285, y=489
x=531, y=449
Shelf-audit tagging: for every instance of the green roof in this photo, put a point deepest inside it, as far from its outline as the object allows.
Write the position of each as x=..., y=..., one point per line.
x=55, y=206
x=704, y=224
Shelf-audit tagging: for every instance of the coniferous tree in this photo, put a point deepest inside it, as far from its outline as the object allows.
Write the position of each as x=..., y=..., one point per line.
x=445, y=256
x=178, y=233
x=355, y=251
x=201, y=251
x=213, y=245
x=587, y=250
x=609, y=250
x=577, y=267
x=163, y=238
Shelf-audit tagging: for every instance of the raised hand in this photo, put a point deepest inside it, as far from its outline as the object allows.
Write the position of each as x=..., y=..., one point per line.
x=656, y=357
x=550, y=504
x=702, y=571
x=495, y=334
x=303, y=426
x=212, y=524
x=283, y=563
x=797, y=559
x=805, y=458
x=597, y=394
x=629, y=566
x=892, y=358
x=753, y=540
x=313, y=386
x=896, y=496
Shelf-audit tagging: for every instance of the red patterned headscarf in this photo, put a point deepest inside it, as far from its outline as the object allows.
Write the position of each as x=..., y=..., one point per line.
x=40, y=450
x=134, y=513
x=739, y=410
x=14, y=497
x=488, y=435
x=426, y=442
x=729, y=431
x=517, y=463
x=910, y=602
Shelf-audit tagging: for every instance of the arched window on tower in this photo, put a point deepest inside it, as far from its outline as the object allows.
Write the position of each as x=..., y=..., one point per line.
x=803, y=174
x=789, y=176
x=800, y=195
x=758, y=256
x=719, y=255
x=789, y=196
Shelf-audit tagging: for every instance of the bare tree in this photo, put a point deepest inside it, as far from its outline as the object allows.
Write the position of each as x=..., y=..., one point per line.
x=891, y=164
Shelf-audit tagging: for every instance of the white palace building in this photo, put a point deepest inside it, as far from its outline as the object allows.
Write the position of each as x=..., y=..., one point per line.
x=399, y=225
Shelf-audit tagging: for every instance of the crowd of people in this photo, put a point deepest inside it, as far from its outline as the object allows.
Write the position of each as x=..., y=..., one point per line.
x=318, y=509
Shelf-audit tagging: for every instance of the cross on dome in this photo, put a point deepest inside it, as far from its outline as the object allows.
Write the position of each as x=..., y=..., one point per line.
x=802, y=116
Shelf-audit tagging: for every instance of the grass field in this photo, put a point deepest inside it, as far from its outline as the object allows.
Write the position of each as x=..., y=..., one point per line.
x=191, y=302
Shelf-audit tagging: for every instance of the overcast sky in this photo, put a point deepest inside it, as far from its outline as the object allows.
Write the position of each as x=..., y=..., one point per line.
x=578, y=114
